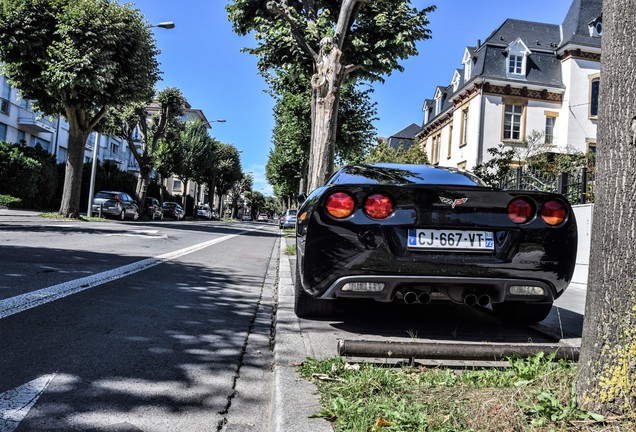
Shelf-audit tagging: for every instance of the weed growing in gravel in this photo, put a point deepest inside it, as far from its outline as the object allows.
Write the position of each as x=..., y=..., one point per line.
x=534, y=394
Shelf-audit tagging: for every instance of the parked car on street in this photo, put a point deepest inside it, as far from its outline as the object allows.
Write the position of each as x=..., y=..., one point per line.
x=153, y=209
x=288, y=219
x=173, y=210
x=262, y=217
x=203, y=212
x=246, y=217
x=115, y=204
x=420, y=234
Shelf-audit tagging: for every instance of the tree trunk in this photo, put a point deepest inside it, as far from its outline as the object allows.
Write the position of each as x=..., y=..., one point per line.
x=211, y=186
x=606, y=381
x=70, y=206
x=142, y=182
x=325, y=99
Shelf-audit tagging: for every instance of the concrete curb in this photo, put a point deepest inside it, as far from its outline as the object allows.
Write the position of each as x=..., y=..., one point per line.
x=295, y=399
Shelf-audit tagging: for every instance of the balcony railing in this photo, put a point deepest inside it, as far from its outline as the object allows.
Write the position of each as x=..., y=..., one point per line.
x=35, y=122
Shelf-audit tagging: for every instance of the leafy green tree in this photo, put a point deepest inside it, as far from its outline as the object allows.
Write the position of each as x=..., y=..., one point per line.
x=257, y=202
x=76, y=59
x=336, y=41
x=291, y=135
x=497, y=169
x=382, y=153
x=187, y=154
x=28, y=173
x=244, y=184
x=157, y=123
x=229, y=170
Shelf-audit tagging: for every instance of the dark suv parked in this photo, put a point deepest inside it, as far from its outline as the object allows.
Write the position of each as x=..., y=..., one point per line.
x=115, y=204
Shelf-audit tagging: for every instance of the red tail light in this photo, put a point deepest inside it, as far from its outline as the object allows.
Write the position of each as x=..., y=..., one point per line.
x=379, y=206
x=340, y=205
x=519, y=211
x=553, y=212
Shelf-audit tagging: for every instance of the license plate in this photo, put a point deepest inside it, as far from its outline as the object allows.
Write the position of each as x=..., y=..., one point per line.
x=451, y=239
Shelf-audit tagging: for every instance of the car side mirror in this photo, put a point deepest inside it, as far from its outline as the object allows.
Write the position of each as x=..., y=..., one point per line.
x=302, y=197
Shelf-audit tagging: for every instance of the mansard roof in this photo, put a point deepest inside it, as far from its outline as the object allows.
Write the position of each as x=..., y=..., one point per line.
x=408, y=132
x=575, y=27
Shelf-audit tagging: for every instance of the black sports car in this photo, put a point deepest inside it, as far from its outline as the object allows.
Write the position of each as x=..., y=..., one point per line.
x=417, y=233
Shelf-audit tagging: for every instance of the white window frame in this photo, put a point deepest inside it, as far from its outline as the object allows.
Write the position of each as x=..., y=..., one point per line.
x=516, y=59
x=513, y=115
x=550, y=127
x=467, y=61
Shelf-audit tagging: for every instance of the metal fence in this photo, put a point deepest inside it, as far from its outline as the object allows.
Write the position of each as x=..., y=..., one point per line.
x=577, y=187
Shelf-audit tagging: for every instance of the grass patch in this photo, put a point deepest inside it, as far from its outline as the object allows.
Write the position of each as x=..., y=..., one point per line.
x=290, y=250
x=289, y=232
x=534, y=394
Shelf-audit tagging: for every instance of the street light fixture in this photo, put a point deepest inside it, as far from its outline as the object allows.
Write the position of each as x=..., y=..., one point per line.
x=208, y=123
x=164, y=24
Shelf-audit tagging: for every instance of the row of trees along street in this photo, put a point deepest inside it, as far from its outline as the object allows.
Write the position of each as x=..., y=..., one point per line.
x=329, y=45
x=113, y=91
x=342, y=42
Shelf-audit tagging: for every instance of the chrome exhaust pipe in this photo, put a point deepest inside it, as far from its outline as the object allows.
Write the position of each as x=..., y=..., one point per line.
x=410, y=297
x=483, y=300
x=424, y=298
x=470, y=300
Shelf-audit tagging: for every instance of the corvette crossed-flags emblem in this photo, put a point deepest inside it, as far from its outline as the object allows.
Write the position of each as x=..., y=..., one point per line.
x=451, y=202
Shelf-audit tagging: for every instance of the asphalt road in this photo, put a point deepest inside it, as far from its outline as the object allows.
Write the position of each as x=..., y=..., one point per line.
x=158, y=349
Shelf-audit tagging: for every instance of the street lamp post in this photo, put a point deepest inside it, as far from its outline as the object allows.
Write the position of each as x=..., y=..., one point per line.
x=91, y=188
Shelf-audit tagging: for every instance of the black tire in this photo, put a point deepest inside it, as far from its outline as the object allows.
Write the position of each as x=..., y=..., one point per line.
x=522, y=312
x=306, y=306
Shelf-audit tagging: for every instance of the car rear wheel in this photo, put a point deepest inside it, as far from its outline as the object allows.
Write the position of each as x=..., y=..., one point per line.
x=305, y=306
x=521, y=312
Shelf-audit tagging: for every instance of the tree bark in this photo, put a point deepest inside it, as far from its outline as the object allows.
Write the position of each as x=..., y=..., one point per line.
x=606, y=381
x=70, y=206
x=325, y=86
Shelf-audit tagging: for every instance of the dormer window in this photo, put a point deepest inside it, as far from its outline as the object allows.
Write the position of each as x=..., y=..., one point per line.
x=455, y=81
x=467, y=61
x=440, y=98
x=517, y=54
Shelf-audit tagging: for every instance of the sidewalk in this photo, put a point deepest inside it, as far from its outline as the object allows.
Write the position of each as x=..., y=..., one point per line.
x=295, y=399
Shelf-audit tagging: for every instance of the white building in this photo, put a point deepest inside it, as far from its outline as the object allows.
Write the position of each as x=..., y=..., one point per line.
x=525, y=77
x=19, y=123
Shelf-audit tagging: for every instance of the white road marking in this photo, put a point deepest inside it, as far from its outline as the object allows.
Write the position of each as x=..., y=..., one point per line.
x=42, y=296
x=15, y=404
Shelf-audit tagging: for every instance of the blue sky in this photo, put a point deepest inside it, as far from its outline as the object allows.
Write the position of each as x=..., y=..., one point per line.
x=202, y=57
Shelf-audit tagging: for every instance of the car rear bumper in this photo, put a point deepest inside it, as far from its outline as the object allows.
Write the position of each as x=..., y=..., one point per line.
x=455, y=289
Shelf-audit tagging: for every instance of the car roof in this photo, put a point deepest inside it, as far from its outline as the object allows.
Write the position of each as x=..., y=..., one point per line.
x=396, y=174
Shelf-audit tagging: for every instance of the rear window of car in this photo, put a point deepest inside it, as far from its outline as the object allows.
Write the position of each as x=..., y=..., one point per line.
x=169, y=205
x=106, y=195
x=395, y=174
x=292, y=212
